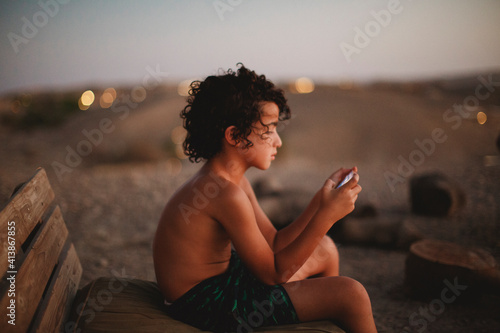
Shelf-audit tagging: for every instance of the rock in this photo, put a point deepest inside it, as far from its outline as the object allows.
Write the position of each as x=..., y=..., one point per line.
x=435, y=194
x=432, y=265
x=389, y=232
x=365, y=210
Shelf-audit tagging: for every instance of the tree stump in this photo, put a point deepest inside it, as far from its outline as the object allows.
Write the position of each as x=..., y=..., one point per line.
x=435, y=194
x=433, y=265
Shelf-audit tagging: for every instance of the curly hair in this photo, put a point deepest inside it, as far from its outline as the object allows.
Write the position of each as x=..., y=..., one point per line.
x=230, y=99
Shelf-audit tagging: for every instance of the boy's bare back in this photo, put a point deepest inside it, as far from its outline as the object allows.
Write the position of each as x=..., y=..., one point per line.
x=188, y=232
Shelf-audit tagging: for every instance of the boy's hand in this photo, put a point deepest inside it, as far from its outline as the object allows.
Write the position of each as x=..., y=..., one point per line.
x=337, y=203
x=340, y=174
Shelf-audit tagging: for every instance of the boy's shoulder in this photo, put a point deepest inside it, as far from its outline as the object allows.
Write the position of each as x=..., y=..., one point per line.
x=217, y=188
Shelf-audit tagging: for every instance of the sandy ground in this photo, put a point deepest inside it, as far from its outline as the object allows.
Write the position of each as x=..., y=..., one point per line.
x=111, y=208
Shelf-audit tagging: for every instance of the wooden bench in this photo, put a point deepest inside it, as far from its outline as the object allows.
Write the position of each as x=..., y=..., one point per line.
x=41, y=274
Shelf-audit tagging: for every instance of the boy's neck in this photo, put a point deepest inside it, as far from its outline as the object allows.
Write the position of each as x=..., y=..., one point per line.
x=227, y=166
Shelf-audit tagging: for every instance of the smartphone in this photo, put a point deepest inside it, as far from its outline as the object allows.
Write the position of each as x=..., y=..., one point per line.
x=346, y=179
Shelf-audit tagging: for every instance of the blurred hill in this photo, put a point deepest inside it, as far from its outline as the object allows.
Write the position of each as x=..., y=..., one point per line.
x=113, y=168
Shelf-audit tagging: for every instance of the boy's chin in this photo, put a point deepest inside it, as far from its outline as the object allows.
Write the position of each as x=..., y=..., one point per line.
x=263, y=167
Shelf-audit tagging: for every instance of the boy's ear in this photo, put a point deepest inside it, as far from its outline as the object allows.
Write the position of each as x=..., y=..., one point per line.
x=229, y=135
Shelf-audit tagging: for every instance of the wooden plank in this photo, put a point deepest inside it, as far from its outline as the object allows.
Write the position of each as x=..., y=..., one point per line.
x=25, y=209
x=32, y=276
x=57, y=303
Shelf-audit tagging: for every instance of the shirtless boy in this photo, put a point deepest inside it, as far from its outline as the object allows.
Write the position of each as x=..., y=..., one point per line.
x=218, y=259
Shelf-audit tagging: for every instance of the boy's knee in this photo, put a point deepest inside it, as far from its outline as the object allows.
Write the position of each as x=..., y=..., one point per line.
x=327, y=249
x=357, y=295
x=327, y=241
x=358, y=289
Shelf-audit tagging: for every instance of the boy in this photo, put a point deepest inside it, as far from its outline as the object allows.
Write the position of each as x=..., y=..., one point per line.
x=231, y=122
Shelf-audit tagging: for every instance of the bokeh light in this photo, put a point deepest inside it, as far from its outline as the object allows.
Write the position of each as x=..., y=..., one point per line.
x=139, y=94
x=86, y=100
x=184, y=87
x=178, y=135
x=179, y=152
x=481, y=118
x=173, y=166
x=303, y=85
x=107, y=98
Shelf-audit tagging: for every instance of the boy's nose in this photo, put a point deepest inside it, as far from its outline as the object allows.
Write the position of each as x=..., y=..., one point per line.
x=277, y=141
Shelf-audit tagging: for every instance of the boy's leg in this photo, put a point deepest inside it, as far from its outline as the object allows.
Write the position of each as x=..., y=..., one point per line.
x=338, y=298
x=324, y=261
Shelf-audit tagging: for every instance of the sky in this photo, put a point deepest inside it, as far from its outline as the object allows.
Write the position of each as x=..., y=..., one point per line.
x=60, y=44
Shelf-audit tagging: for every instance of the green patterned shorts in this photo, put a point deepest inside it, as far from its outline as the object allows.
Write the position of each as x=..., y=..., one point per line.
x=234, y=301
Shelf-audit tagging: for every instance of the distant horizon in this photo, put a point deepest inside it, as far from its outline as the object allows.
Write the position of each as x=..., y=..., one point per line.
x=174, y=82
x=56, y=44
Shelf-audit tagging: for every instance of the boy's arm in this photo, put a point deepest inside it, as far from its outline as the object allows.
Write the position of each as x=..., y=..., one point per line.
x=265, y=226
x=238, y=218
x=280, y=239
x=288, y=234
x=277, y=240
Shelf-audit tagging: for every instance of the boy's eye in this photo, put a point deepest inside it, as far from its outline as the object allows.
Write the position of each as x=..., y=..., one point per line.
x=268, y=132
